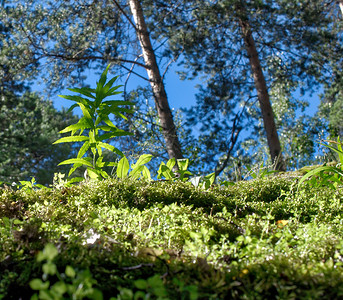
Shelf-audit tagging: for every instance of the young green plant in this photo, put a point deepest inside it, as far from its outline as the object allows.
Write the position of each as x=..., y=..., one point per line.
x=95, y=127
x=138, y=169
x=331, y=176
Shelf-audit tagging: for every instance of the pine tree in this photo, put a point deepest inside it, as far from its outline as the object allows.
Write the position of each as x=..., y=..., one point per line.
x=71, y=37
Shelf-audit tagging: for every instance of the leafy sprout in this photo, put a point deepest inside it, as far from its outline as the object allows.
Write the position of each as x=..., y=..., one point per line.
x=331, y=176
x=89, y=129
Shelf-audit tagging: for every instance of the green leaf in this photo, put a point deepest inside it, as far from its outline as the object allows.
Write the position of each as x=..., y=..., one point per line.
x=72, y=170
x=171, y=163
x=103, y=174
x=92, y=139
x=183, y=164
x=70, y=272
x=117, y=151
x=99, y=164
x=119, y=115
x=123, y=168
x=76, y=179
x=81, y=125
x=209, y=180
x=112, y=91
x=83, y=149
x=34, y=297
x=72, y=107
x=167, y=172
x=142, y=160
x=58, y=289
x=103, y=77
x=84, y=91
x=252, y=174
x=46, y=295
x=106, y=146
x=155, y=281
x=319, y=170
x=113, y=134
x=110, y=164
x=146, y=173
x=338, y=150
x=106, y=128
x=80, y=161
x=49, y=268
x=107, y=87
x=49, y=253
x=77, y=99
x=117, y=102
x=37, y=284
x=141, y=284
x=69, y=139
x=87, y=114
x=135, y=173
x=100, y=90
x=93, y=174
x=109, y=122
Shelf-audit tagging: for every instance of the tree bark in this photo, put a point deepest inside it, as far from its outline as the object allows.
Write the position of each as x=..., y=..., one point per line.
x=157, y=85
x=263, y=97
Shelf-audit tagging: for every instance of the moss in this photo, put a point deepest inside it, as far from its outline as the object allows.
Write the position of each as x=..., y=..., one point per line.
x=225, y=242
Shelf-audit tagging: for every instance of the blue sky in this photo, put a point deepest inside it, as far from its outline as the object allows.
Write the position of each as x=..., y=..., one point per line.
x=181, y=93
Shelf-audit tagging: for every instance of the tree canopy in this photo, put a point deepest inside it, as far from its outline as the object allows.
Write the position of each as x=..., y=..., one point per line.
x=29, y=127
x=260, y=61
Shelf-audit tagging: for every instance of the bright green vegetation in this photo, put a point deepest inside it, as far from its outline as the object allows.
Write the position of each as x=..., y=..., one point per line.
x=138, y=239
x=126, y=236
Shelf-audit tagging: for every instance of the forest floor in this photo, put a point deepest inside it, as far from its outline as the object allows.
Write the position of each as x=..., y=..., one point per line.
x=133, y=239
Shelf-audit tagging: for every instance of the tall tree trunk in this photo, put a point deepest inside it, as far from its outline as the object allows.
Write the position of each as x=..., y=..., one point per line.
x=157, y=85
x=341, y=5
x=263, y=97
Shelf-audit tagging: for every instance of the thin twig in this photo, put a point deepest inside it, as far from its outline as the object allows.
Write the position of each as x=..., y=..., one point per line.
x=137, y=267
x=125, y=14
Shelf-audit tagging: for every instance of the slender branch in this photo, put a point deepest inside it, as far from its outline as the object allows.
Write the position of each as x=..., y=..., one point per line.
x=169, y=64
x=233, y=140
x=140, y=76
x=74, y=59
x=125, y=14
x=129, y=74
x=137, y=267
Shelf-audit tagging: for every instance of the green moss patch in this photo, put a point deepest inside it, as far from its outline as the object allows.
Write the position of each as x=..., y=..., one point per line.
x=128, y=239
